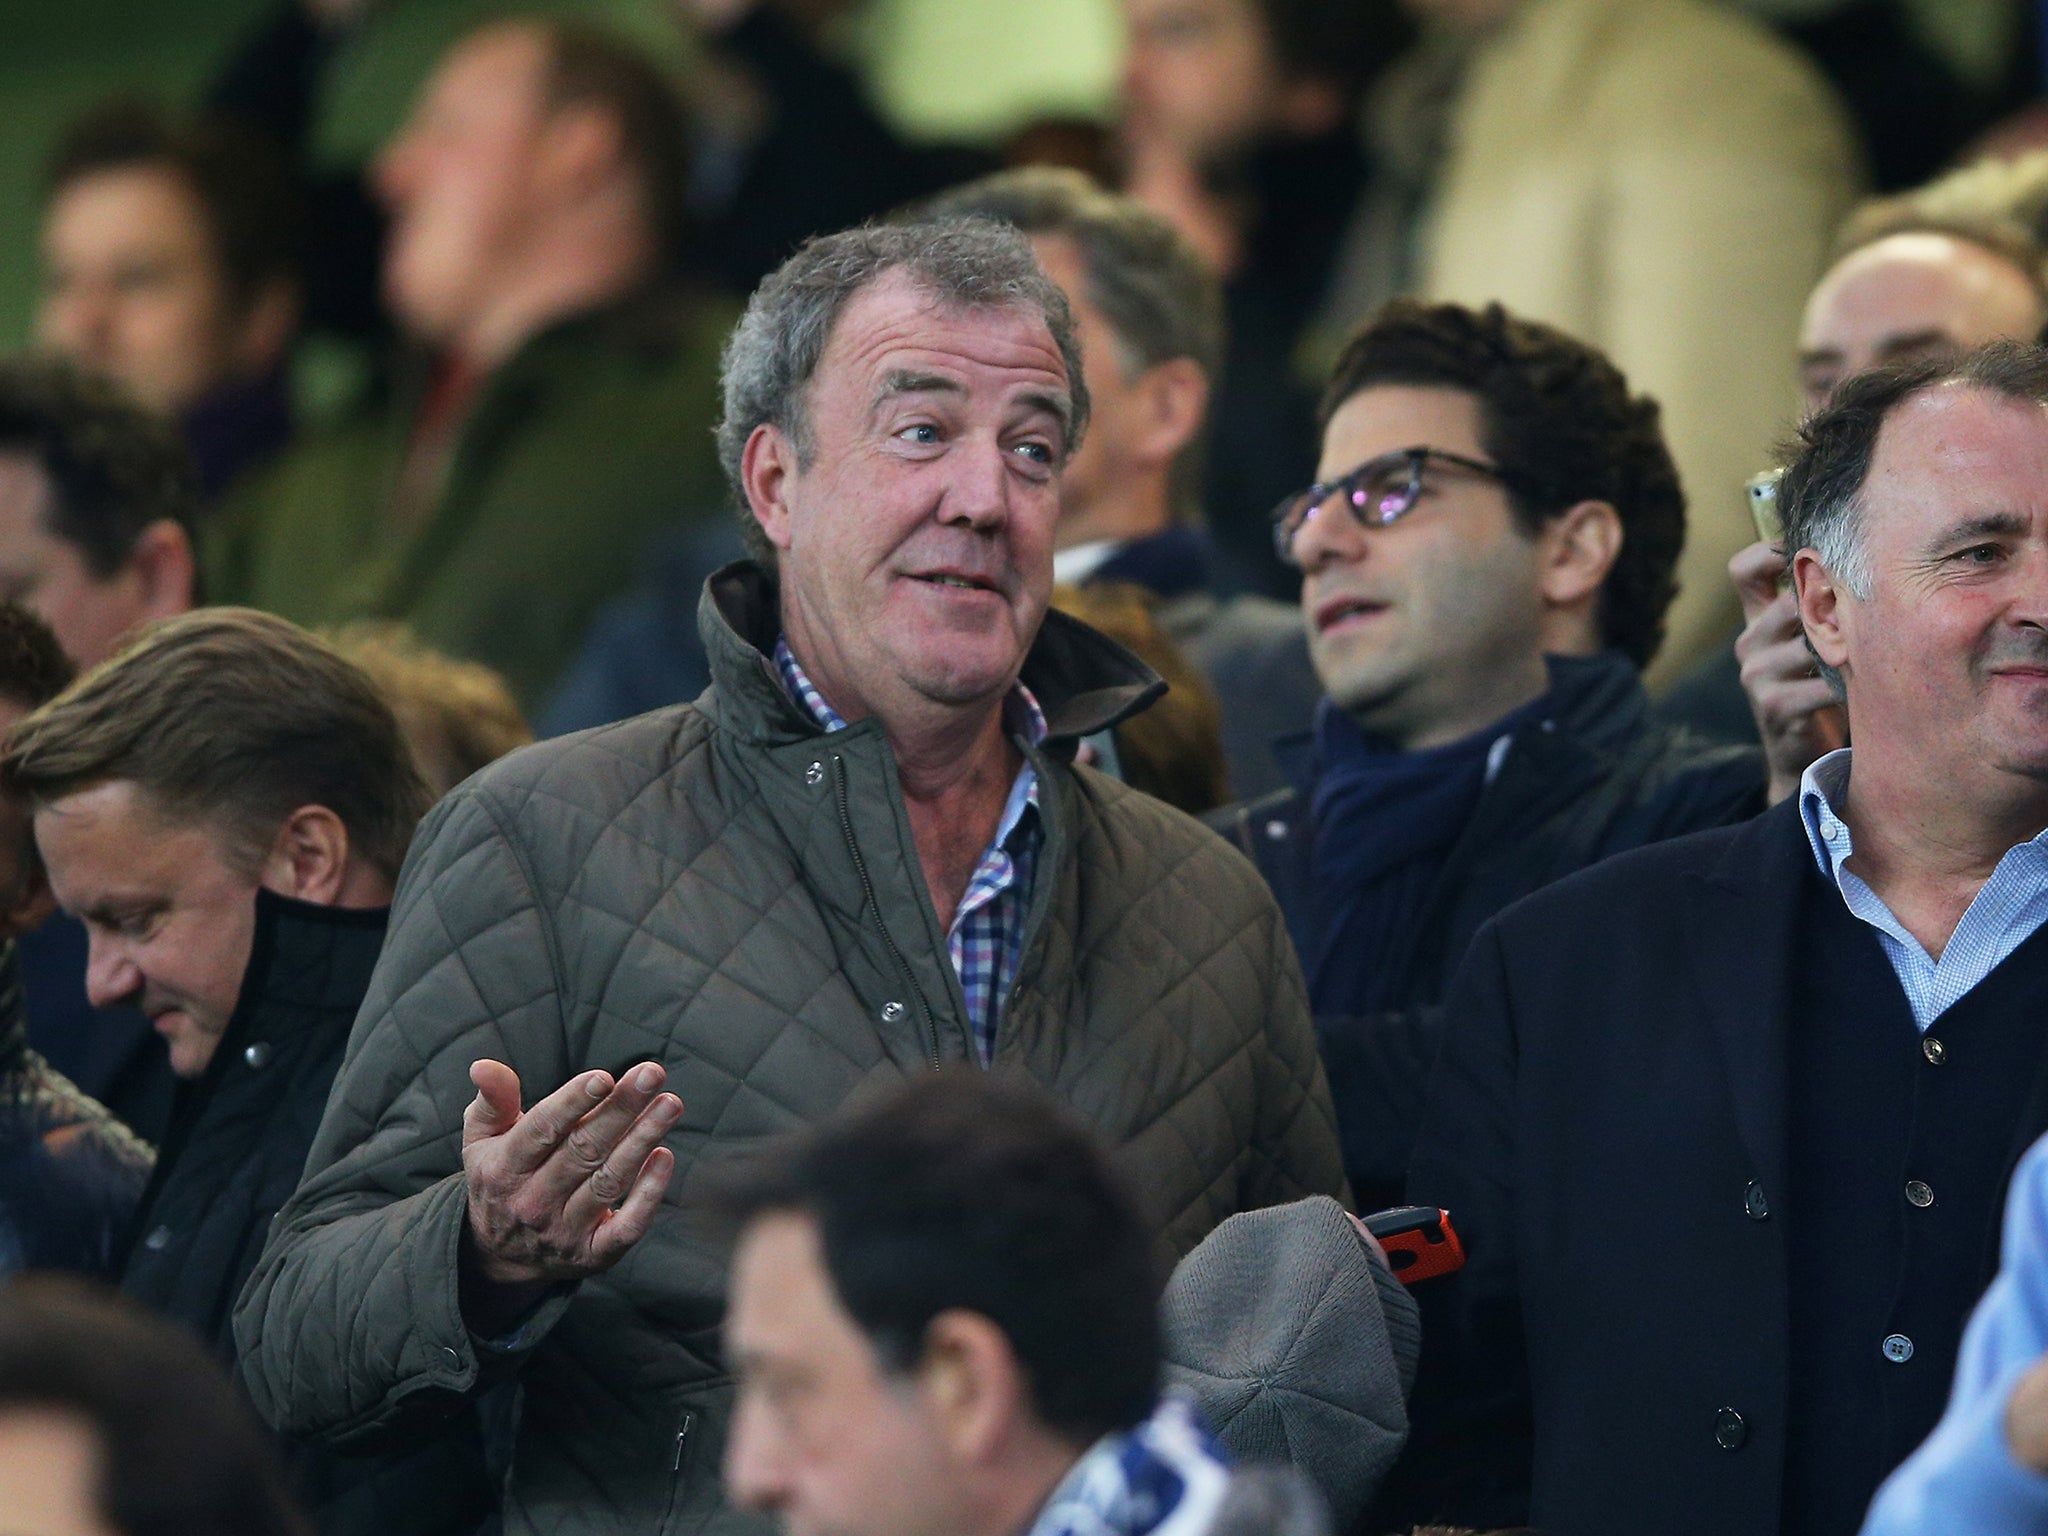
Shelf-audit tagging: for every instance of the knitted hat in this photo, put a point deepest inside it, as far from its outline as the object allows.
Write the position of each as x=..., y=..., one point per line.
x=1298, y=1344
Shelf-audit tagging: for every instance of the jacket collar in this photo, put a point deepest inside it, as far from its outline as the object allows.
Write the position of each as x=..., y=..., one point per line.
x=1084, y=681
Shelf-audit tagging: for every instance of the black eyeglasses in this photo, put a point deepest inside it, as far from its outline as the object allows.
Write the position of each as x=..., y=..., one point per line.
x=1380, y=491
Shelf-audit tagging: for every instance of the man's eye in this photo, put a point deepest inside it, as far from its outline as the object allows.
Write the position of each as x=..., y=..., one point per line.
x=924, y=434
x=1038, y=453
x=1980, y=554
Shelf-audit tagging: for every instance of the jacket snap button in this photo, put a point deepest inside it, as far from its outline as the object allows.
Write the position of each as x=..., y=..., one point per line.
x=1919, y=1194
x=158, y=1240
x=815, y=774
x=453, y=1357
x=1276, y=830
x=1755, y=1203
x=1898, y=1348
x=258, y=1054
x=891, y=1012
x=1729, y=1431
x=1934, y=1050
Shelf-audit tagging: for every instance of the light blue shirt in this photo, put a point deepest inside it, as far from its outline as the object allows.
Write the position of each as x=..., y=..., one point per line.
x=1964, y=1481
x=2004, y=914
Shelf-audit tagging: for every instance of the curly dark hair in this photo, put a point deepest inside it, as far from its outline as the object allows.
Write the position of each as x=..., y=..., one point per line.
x=1553, y=413
x=114, y=468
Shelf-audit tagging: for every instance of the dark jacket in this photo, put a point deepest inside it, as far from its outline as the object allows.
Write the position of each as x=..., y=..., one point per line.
x=725, y=889
x=237, y=1144
x=1608, y=1124
x=1599, y=776
x=70, y=1173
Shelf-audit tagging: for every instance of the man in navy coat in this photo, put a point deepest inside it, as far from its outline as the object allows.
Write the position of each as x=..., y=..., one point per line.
x=1726, y=1122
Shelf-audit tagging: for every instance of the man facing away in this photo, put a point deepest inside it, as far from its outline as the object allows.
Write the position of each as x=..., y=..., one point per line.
x=224, y=804
x=551, y=413
x=1726, y=1121
x=1486, y=560
x=861, y=854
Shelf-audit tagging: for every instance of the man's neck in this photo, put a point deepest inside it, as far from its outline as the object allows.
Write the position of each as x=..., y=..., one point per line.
x=1135, y=510
x=569, y=275
x=1926, y=841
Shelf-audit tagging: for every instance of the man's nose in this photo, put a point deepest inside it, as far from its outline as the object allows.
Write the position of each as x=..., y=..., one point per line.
x=752, y=1477
x=110, y=976
x=978, y=492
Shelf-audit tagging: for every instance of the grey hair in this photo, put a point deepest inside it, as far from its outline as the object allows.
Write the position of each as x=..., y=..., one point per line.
x=1159, y=298
x=1828, y=462
x=775, y=349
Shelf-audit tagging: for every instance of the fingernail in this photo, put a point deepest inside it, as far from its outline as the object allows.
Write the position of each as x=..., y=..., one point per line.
x=647, y=1077
x=594, y=1085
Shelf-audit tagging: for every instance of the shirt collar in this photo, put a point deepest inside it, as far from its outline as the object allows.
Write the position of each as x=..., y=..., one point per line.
x=1823, y=783
x=1021, y=713
x=1082, y=560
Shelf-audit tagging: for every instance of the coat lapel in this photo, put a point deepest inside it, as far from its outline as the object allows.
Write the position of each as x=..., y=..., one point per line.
x=1742, y=918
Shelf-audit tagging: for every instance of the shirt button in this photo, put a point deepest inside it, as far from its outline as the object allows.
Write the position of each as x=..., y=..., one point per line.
x=158, y=1240
x=891, y=1012
x=1919, y=1194
x=1898, y=1348
x=1934, y=1050
x=1755, y=1202
x=258, y=1055
x=1729, y=1430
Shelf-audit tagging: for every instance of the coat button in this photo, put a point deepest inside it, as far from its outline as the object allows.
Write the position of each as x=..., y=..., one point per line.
x=1919, y=1194
x=1898, y=1348
x=814, y=775
x=258, y=1055
x=891, y=1012
x=1755, y=1202
x=1730, y=1432
x=1934, y=1050
x=158, y=1240
x=1276, y=830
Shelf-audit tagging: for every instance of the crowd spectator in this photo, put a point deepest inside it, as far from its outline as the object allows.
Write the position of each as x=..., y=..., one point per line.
x=553, y=412
x=1150, y=316
x=114, y=1423
x=863, y=854
x=97, y=506
x=1487, y=559
x=1724, y=1121
x=1238, y=123
x=945, y=1317
x=1608, y=168
x=1984, y=1470
x=1932, y=273
x=457, y=717
x=225, y=804
x=170, y=261
x=71, y=1175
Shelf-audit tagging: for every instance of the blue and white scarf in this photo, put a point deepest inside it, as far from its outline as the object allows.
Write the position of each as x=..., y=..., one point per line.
x=1167, y=1477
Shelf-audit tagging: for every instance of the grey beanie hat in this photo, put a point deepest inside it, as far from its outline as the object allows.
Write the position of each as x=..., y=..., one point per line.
x=1299, y=1345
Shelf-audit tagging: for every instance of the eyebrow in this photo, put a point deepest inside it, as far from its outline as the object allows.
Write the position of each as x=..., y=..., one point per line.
x=903, y=381
x=1894, y=345
x=1820, y=356
x=2007, y=525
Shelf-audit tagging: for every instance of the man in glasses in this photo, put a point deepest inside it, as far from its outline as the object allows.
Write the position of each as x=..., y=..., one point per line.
x=1486, y=560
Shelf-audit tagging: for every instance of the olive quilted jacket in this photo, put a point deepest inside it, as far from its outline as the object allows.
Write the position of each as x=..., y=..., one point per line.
x=721, y=888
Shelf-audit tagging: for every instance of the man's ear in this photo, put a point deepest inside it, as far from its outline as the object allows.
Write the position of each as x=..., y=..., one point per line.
x=309, y=859
x=767, y=465
x=973, y=1385
x=1580, y=546
x=264, y=333
x=1820, y=608
x=1173, y=398
x=165, y=569
x=581, y=151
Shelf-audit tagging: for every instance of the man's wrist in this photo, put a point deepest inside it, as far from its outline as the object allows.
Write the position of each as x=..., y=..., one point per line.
x=492, y=1308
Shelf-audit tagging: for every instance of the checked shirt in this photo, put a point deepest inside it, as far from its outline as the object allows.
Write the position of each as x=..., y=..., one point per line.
x=986, y=935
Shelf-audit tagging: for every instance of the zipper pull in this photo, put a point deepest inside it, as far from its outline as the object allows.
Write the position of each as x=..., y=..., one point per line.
x=682, y=1435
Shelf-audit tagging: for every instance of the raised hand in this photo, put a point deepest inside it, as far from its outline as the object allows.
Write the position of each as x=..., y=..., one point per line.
x=562, y=1190
x=1796, y=711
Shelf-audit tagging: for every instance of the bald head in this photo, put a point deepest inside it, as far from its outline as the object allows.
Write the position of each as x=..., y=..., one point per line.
x=1920, y=293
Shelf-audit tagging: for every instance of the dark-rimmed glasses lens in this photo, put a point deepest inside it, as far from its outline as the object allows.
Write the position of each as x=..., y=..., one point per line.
x=1378, y=492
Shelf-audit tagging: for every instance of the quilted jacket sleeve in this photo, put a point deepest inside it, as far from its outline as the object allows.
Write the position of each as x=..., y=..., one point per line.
x=350, y=1325
x=1294, y=1146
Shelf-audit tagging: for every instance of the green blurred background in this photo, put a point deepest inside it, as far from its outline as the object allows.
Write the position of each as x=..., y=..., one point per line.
x=58, y=57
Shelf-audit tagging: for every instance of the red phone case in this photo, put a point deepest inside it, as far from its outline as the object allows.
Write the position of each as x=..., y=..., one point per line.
x=1424, y=1251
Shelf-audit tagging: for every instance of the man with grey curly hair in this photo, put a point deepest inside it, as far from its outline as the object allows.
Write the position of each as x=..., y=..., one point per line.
x=620, y=960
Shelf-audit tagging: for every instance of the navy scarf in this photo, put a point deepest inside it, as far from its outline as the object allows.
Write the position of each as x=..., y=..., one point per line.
x=1384, y=822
